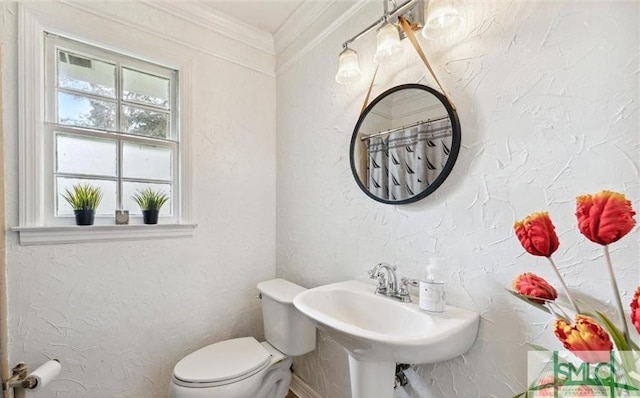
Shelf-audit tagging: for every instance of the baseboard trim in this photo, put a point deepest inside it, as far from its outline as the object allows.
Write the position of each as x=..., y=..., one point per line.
x=301, y=389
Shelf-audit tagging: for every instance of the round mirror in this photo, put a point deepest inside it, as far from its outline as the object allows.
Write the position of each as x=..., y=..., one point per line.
x=405, y=144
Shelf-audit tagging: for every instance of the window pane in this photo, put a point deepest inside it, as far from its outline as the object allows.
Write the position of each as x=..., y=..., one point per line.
x=82, y=73
x=146, y=162
x=129, y=188
x=145, y=122
x=107, y=206
x=144, y=88
x=77, y=110
x=86, y=155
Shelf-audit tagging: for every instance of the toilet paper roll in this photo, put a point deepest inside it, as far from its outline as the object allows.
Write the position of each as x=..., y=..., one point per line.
x=45, y=373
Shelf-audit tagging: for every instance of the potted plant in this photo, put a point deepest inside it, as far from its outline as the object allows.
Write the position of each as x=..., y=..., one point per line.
x=150, y=202
x=84, y=199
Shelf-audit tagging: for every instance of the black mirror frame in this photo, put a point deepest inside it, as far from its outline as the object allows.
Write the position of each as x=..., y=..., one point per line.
x=453, y=155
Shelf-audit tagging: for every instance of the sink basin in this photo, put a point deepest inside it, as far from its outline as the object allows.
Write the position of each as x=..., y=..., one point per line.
x=377, y=332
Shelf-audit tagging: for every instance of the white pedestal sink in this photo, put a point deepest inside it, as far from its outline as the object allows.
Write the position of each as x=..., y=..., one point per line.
x=377, y=332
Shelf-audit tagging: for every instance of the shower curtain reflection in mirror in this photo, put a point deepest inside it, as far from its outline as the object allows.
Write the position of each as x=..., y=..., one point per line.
x=403, y=163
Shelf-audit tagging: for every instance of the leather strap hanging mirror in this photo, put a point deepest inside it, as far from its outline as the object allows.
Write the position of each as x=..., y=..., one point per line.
x=405, y=144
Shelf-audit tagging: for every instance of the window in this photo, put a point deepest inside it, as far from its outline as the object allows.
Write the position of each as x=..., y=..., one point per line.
x=102, y=113
x=111, y=121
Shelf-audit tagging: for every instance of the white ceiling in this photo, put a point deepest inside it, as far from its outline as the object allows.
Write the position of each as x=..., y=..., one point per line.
x=267, y=16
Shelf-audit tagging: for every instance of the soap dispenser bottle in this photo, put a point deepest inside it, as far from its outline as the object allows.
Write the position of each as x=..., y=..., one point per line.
x=432, y=287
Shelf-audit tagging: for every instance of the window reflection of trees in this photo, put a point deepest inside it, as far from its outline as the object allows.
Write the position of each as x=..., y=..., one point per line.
x=137, y=120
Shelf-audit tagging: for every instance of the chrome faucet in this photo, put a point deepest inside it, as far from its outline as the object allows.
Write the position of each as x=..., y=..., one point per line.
x=382, y=286
x=387, y=282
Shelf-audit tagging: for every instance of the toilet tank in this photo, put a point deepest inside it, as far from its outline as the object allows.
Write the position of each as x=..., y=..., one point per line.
x=285, y=328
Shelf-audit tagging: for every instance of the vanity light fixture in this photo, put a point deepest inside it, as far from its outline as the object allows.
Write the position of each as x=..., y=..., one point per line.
x=389, y=48
x=443, y=18
x=348, y=68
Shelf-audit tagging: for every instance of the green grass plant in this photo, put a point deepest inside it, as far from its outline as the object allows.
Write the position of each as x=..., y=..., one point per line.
x=148, y=199
x=83, y=197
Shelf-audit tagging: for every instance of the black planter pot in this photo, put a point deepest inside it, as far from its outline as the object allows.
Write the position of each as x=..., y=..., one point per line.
x=150, y=216
x=85, y=217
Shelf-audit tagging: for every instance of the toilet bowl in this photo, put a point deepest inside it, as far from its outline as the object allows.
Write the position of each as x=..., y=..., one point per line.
x=233, y=368
x=244, y=367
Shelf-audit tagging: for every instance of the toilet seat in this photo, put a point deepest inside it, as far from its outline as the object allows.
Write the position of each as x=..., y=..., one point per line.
x=222, y=363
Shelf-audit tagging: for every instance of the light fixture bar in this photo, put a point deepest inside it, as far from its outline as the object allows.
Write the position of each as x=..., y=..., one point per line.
x=383, y=18
x=363, y=32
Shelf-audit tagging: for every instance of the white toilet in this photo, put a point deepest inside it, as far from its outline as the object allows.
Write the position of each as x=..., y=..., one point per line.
x=243, y=367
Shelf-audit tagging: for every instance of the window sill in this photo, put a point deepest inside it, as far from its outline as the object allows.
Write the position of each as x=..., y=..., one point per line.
x=100, y=233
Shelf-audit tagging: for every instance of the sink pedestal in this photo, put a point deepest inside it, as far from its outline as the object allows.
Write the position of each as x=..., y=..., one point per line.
x=371, y=379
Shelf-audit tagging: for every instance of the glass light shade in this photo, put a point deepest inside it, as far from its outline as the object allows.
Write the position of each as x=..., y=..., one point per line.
x=389, y=48
x=443, y=19
x=348, y=68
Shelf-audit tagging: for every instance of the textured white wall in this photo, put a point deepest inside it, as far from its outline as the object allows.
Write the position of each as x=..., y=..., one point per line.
x=547, y=94
x=119, y=315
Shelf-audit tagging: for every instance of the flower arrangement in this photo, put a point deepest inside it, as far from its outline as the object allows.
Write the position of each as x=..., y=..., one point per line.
x=603, y=218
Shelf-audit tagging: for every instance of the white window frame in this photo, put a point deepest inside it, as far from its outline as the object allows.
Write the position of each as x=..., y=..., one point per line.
x=52, y=127
x=35, y=224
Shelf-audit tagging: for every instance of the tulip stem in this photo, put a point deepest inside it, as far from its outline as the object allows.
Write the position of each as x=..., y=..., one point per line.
x=558, y=316
x=567, y=317
x=564, y=285
x=616, y=294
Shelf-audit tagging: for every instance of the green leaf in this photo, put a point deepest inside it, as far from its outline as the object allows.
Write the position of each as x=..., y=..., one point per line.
x=83, y=197
x=538, y=347
x=626, y=354
x=614, y=332
x=149, y=199
x=529, y=300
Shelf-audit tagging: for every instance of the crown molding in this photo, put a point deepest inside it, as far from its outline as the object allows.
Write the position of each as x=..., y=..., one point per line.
x=285, y=45
x=288, y=61
x=383, y=109
x=203, y=16
x=250, y=62
x=303, y=17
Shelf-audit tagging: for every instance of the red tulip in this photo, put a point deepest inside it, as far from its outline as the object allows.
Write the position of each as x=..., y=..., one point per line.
x=585, y=338
x=537, y=234
x=635, y=309
x=604, y=217
x=532, y=285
